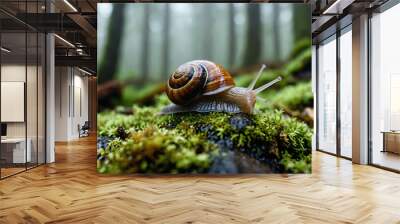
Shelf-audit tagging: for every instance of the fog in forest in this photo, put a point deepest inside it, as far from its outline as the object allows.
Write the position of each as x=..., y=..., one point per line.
x=146, y=42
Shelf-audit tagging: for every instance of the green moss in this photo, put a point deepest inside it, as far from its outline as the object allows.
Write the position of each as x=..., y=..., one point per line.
x=161, y=101
x=283, y=143
x=298, y=63
x=289, y=73
x=155, y=150
x=294, y=97
x=108, y=122
x=300, y=46
x=144, y=142
x=270, y=136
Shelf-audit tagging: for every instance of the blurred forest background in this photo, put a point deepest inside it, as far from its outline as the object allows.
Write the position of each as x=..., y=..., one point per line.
x=140, y=45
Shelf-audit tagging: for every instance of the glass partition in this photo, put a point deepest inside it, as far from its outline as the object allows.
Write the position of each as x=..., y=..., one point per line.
x=22, y=95
x=327, y=95
x=14, y=153
x=385, y=89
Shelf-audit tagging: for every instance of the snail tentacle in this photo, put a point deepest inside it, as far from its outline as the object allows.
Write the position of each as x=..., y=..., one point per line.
x=253, y=83
x=266, y=86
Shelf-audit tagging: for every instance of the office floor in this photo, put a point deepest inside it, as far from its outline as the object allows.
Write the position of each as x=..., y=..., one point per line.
x=387, y=159
x=9, y=170
x=70, y=191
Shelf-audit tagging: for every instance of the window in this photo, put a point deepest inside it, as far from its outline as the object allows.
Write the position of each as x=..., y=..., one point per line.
x=345, y=92
x=385, y=89
x=327, y=95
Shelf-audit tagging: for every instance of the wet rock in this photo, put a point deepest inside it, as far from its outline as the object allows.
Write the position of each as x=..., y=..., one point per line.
x=247, y=164
x=204, y=128
x=233, y=162
x=247, y=159
x=208, y=129
x=225, y=143
x=224, y=164
x=240, y=121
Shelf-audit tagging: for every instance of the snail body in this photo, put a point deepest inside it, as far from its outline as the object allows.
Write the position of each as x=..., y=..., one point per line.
x=203, y=86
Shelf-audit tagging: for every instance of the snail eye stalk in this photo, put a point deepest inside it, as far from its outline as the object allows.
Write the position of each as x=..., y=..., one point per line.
x=253, y=83
x=266, y=86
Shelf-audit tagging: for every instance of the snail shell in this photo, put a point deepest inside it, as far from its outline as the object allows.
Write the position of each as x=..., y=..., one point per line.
x=204, y=86
x=196, y=78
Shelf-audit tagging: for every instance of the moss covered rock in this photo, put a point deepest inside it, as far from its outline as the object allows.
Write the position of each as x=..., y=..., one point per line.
x=155, y=150
x=199, y=140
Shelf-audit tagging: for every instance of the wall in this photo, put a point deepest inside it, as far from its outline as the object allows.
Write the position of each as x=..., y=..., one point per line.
x=71, y=102
x=62, y=80
x=79, y=102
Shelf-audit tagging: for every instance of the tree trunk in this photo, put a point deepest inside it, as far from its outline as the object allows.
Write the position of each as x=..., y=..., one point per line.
x=232, y=36
x=276, y=32
x=110, y=58
x=302, y=21
x=166, y=29
x=253, y=43
x=207, y=31
x=145, y=43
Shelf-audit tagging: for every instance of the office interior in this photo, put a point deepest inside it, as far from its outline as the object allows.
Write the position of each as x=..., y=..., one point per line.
x=356, y=83
x=47, y=94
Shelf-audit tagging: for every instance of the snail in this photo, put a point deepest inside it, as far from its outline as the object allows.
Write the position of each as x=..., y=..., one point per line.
x=204, y=86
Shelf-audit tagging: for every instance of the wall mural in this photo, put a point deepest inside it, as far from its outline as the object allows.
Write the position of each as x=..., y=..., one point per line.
x=204, y=88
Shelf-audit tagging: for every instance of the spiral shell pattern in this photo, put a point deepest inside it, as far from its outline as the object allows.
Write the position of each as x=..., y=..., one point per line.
x=196, y=78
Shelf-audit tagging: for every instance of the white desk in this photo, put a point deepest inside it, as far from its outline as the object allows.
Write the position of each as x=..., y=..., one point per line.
x=19, y=155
